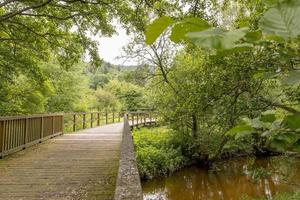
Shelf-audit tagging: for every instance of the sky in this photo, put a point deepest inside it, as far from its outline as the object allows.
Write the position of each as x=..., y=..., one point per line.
x=111, y=47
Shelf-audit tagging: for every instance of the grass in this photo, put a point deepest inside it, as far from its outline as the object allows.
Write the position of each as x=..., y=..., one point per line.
x=160, y=151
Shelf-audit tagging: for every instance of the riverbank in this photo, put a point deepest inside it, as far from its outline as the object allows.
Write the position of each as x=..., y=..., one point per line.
x=162, y=151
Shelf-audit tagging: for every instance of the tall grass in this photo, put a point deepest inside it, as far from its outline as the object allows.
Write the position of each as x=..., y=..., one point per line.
x=160, y=151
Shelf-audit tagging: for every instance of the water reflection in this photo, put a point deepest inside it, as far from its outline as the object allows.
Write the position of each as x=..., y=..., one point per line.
x=229, y=180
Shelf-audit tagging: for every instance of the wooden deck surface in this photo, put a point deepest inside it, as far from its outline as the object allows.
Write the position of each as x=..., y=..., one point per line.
x=82, y=165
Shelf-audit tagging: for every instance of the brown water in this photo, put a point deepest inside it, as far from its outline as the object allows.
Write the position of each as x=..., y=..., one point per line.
x=229, y=180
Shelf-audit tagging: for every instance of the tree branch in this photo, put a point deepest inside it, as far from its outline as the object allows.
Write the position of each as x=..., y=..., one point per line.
x=17, y=12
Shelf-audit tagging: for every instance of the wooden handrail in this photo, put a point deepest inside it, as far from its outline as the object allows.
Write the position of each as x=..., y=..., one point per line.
x=19, y=132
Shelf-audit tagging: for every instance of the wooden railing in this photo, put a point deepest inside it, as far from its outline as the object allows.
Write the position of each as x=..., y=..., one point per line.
x=77, y=121
x=19, y=132
x=141, y=118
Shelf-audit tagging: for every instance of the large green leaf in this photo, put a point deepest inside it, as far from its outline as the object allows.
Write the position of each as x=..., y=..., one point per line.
x=218, y=38
x=288, y=137
x=240, y=129
x=210, y=38
x=282, y=20
x=268, y=118
x=293, y=78
x=253, y=36
x=292, y=121
x=188, y=25
x=257, y=123
x=157, y=27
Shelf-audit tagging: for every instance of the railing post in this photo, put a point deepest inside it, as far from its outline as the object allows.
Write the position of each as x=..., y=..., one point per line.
x=92, y=120
x=98, y=119
x=106, y=117
x=53, y=125
x=132, y=119
x=113, y=116
x=26, y=131
x=42, y=127
x=120, y=117
x=2, y=124
x=62, y=124
x=137, y=119
x=74, y=122
x=83, y=120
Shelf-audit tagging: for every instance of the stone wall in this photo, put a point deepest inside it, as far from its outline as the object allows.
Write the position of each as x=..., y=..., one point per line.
x=128, y=183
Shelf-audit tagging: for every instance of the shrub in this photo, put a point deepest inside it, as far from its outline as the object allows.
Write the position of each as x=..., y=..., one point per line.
x=160, y=151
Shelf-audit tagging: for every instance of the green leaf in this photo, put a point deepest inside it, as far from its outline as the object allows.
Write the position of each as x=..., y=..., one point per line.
x=188, y=25
x=288, y=137
x=271, y=3
x=230, y=38
x=157, y=27
x=293, y=78
x=268, y=118
x=256, y=123
x=267, y=133
x=210, y=38
x=296, y=146
x=283, y=20
x=292, y=121
x=241, y=129
x=253, y=36
x=279, y=145
x=218, y=38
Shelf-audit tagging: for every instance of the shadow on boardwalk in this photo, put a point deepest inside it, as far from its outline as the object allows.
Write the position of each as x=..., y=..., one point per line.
x=82, y=165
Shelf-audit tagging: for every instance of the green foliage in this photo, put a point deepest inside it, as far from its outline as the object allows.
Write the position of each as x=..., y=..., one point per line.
x=240, y=129
x=252, y=69
x=187, y=25
x=81, y=88
x=159, y=151
x=220, y=39
x=105, y=100
x=131, y=96
x=282, y=19
x=278, y=133
x=293, y=78
x=292, y=121
x=157, y=27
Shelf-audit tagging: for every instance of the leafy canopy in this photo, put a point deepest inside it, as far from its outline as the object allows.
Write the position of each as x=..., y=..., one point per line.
x=281, y=22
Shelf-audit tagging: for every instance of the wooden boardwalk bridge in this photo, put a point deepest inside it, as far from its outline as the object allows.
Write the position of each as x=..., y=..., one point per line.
x=94, y=163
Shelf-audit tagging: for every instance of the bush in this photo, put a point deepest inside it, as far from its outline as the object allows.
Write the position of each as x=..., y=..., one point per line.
x=160, y=151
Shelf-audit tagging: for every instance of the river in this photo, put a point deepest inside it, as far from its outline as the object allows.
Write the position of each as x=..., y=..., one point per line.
x=228, y=180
